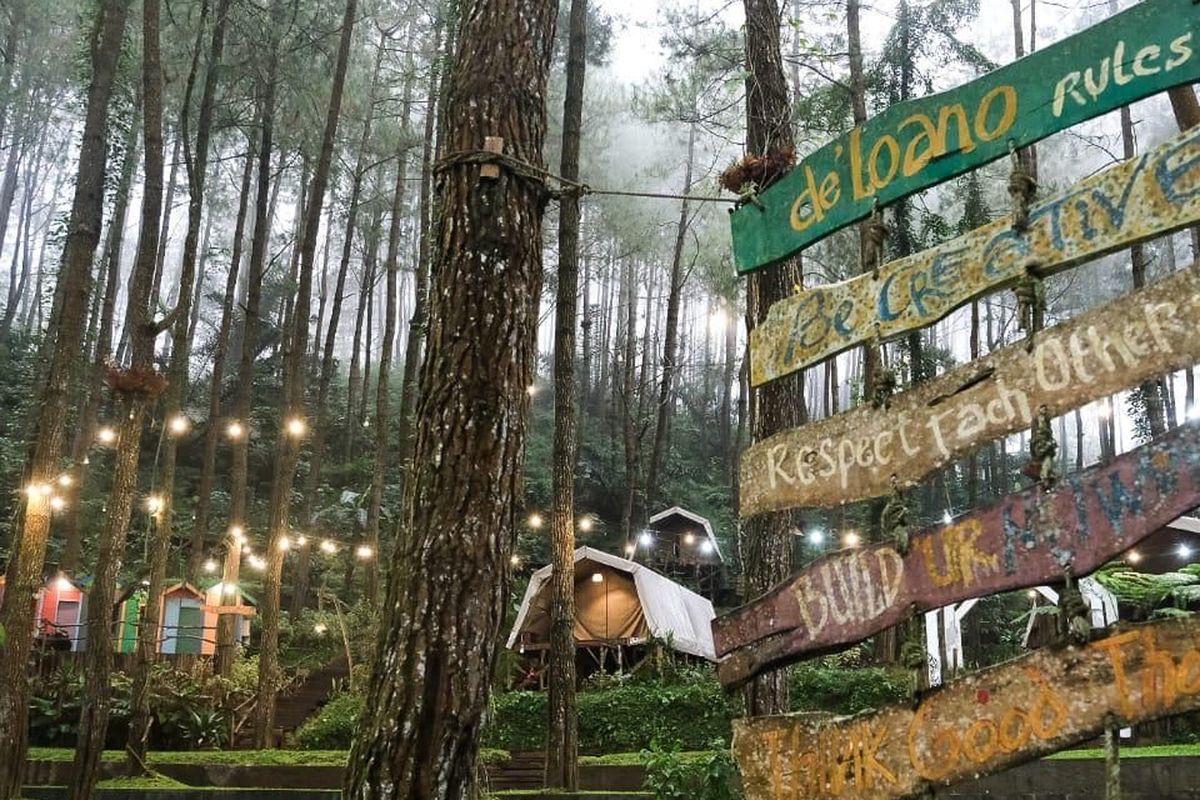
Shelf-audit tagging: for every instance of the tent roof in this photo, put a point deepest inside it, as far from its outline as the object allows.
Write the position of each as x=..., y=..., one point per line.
x=680, y=511
x=672, y=611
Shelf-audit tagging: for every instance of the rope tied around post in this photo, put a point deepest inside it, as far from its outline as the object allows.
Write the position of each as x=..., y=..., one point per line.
x=1021, y=189
x=893, y=520
x=1031, y=302
x=1043, y=449
x=1075, y=615
x=547, y=183
x=877, y=233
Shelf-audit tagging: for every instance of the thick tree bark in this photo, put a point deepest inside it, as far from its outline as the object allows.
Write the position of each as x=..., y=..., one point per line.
x=562, y=742
x=162, y=523
x=670, y=353
x=418, y=738
x=212, y=431
x=66, y=332
x=780, y=404
x=93, y=723
x=287, y=448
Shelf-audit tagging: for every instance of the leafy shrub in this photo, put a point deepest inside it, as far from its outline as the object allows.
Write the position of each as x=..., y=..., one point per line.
x=817, y=687
x=333, y=726
x=672, y=776
x=621, y=718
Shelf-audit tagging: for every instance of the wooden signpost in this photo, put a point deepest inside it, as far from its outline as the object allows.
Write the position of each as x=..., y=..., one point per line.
x=919, y=143
x=855, y=455
x=1137, y=200
x=979, y=725
x=1026, y=539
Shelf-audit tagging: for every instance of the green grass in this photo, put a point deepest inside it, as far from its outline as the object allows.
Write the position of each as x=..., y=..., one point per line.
x=542, y=792
x=636, y=760
x=238, y=758
x=1152, y=751
x=150, y=782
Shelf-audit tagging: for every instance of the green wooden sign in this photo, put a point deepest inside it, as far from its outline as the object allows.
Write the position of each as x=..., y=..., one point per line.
x=920, y=143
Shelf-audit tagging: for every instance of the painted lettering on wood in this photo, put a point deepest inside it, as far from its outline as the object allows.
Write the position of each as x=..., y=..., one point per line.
x=919, y=143
x=853, y=456
x=1132, y=202
x=1025, y=539
x=982, y=724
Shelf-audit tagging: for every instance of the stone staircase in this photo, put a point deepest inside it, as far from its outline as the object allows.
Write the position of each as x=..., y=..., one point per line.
x=294, y=708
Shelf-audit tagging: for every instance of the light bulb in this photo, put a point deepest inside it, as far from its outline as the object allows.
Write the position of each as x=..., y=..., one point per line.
x=535, y=520
x=179, y=424
x=210, y=566
x=235, y=430
x=106, y=435
x=296, y=427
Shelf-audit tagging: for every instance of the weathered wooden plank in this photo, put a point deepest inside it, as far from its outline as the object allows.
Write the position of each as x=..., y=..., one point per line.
x=919, y=143
x=855, y=455
x=1136, y=200
x=978, y=725
x=1025, y=539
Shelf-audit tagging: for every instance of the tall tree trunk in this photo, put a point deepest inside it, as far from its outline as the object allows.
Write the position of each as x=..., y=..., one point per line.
x=287, y=449
x=418, y=322
x=226, y=649
x=671, y=335
x=1150, y=391
x=383, y=388
x=778, y=405
x=629, y=405
x=312, y=480
x=562, y=742
x=164, y=240
x=136, y=389
x=28, y=553
x=89, y=415
x=162, y=523
x=212, y=431
x=725, y=415
x=871, y=354
x=357, y=356
x=432, y=671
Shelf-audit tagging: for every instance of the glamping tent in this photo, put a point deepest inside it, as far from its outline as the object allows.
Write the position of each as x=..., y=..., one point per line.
x=618, y=603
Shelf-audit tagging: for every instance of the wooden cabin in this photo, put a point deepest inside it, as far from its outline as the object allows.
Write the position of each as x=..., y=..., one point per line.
x=682, y=545
x=60, y=617
x=217, y=598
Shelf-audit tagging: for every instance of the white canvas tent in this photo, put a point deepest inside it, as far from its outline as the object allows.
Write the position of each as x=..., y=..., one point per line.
x=618, y=602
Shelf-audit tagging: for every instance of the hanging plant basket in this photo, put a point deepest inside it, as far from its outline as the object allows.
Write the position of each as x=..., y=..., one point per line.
x=758, y=171
x=135, y=381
